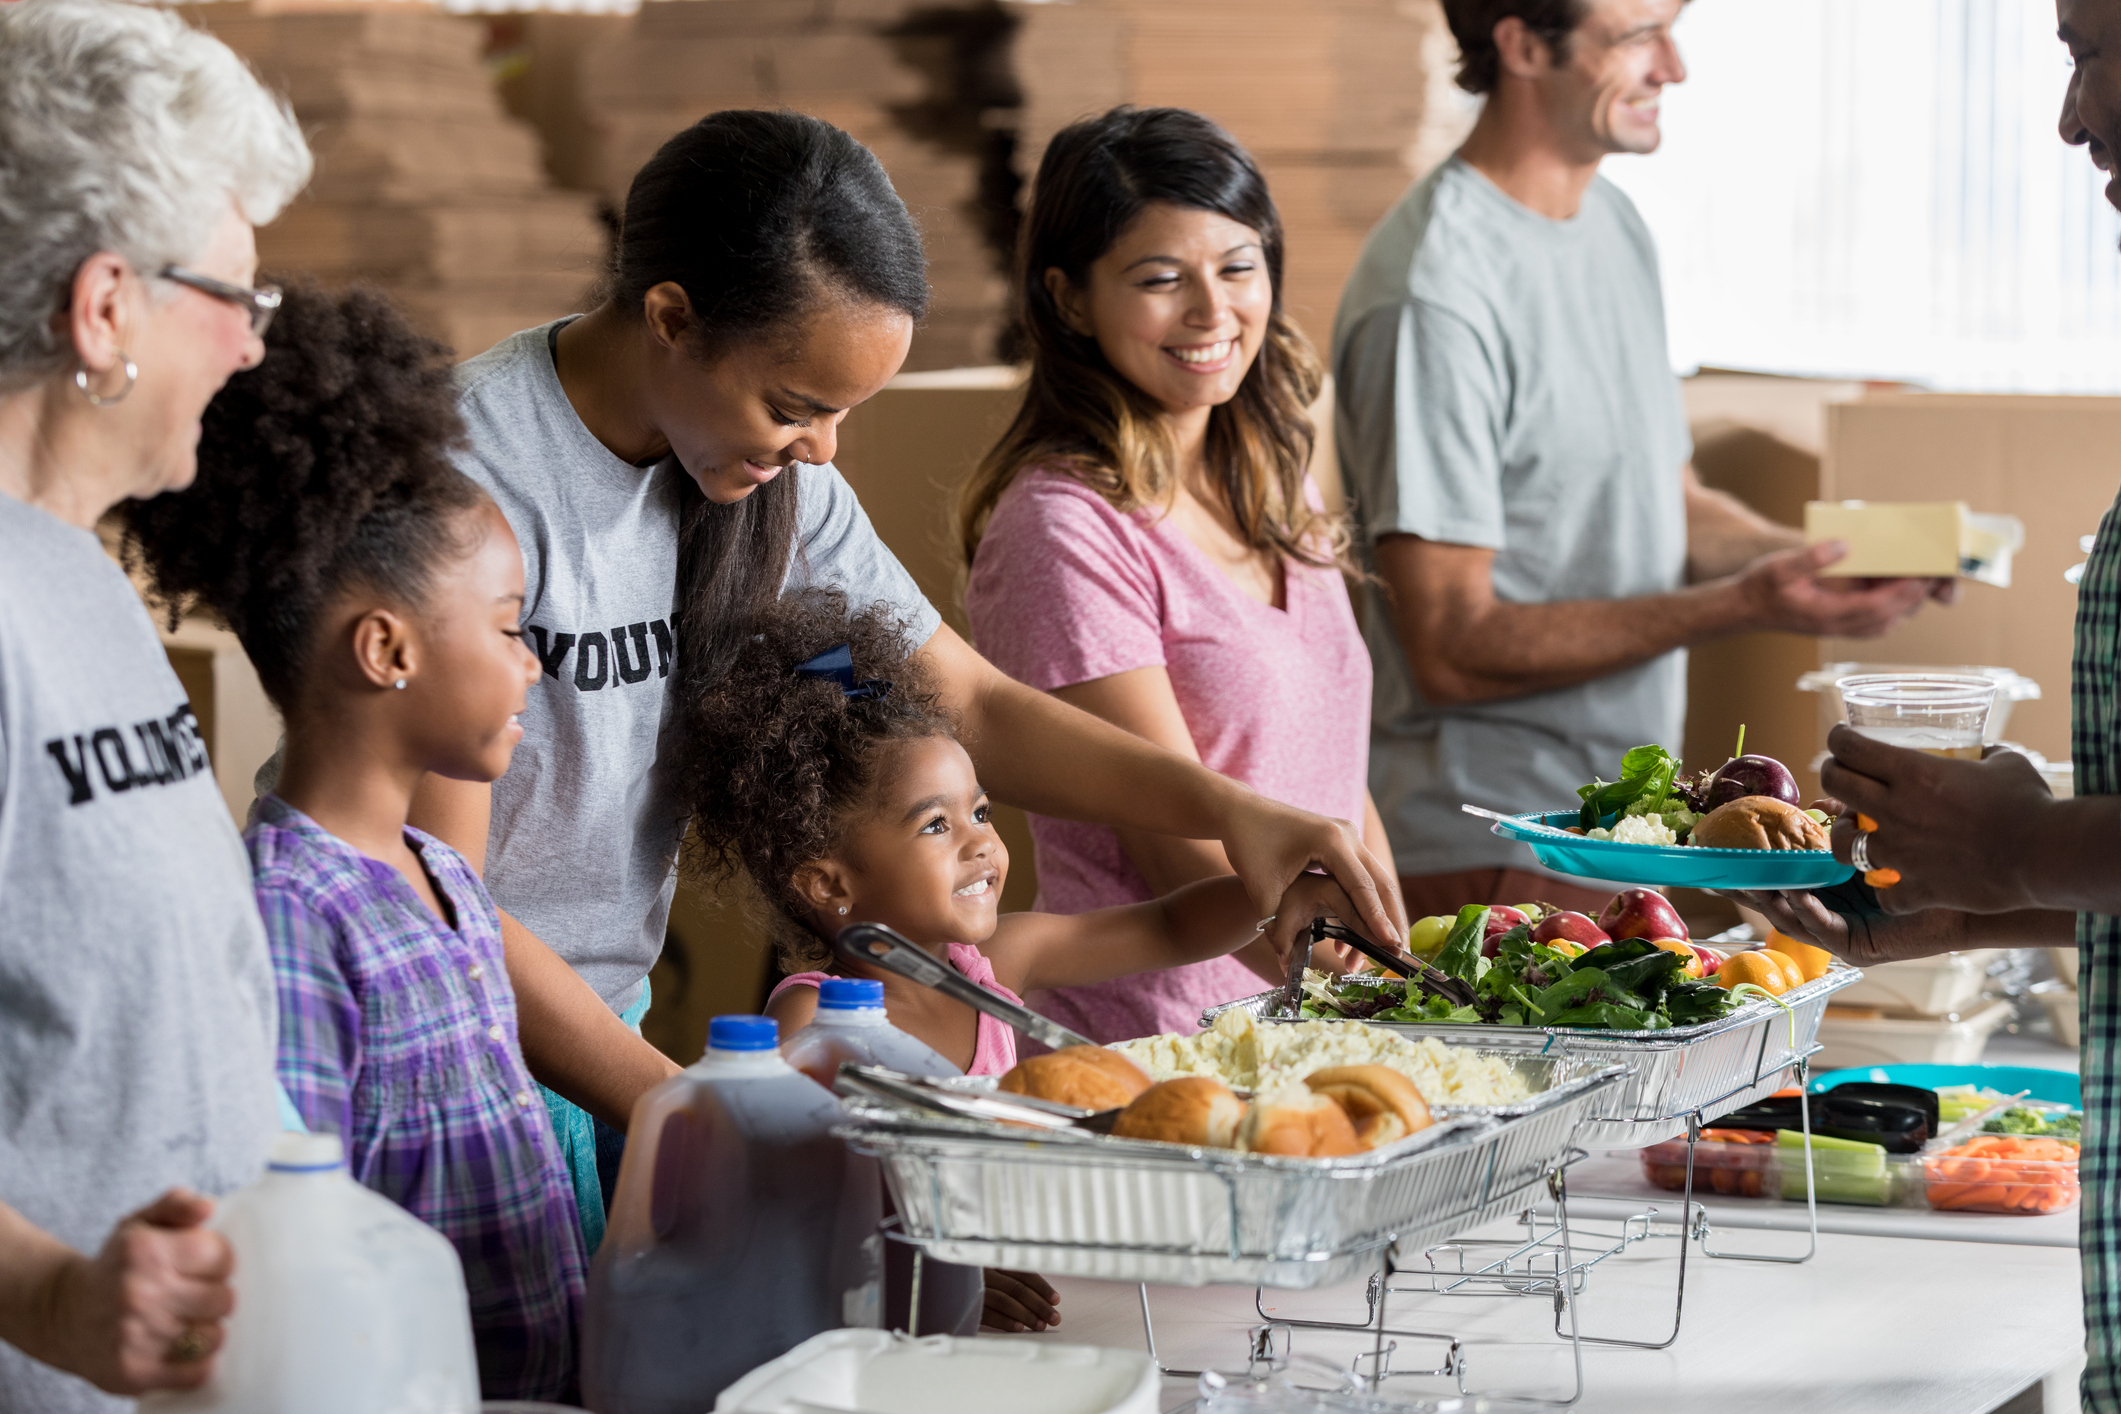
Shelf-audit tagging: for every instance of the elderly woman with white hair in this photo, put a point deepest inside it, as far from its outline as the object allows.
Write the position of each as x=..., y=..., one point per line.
x=136, y=996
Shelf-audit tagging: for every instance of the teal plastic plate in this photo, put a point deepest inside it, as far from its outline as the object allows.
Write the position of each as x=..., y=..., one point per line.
x=1671, y=866
x=2062, y=1087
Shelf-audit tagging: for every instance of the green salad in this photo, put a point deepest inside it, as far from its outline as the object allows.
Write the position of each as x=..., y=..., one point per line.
x=1623, y=986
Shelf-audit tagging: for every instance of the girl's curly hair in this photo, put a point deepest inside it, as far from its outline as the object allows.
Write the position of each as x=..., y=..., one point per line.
x=323, y=468
x=773, y=764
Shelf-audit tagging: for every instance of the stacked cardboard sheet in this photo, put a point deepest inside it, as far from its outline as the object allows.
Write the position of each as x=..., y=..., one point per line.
x=850, y=62
x=424, y=185
x=1343, y=102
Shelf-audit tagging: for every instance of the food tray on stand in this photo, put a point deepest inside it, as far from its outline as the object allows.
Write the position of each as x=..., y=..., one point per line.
x=1675, y=1075
x=1083, y=1205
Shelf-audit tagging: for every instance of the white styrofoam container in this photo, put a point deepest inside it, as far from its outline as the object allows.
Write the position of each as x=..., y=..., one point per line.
x=1928, y=986
x=1921, y=1040
x=882, y=1372
x=2061, y=1004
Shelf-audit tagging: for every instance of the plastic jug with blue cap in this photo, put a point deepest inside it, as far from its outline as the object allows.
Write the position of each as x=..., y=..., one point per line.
x=851, y=1025
x=345, y=1302
x=739, y=1229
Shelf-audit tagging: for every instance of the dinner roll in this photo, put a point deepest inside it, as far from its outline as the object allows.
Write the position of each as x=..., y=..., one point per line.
x=1089, y=1077
x=1299, y=1123
x=1381, y=1103
x=1757, y=822
x=1194, y=1109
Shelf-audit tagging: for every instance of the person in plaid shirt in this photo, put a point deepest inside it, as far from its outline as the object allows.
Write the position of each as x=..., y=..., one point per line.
x=377, y=591
x=1986, y=855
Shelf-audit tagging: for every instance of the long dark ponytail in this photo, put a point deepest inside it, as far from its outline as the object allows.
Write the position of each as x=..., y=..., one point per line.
x=756, y=216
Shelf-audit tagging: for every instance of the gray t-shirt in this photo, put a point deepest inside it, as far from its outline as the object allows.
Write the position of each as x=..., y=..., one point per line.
x=585, y=829
x=1502, y=382
x=136, y=995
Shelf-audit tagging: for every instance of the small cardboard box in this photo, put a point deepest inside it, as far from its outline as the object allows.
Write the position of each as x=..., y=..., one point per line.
x=1934, y=539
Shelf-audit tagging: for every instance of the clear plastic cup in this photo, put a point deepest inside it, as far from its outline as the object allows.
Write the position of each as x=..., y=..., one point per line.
x=1943, y=714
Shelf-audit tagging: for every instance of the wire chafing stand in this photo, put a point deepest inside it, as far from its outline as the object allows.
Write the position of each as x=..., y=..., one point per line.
x=1680, y=1080
x=1070, y=1202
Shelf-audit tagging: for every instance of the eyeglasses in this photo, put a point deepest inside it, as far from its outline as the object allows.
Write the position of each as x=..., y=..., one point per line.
x=260, y=303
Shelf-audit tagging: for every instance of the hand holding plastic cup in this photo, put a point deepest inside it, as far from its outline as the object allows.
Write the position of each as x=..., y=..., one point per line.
x=1942, y=714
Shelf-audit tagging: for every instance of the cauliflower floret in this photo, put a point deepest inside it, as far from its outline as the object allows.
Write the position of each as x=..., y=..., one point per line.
x=1636, y=829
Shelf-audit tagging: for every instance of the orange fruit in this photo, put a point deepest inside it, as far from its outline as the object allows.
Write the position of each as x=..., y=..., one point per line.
x=1812, y=962
x=1791, y=972
x=1686, y=952
x=1768, y=971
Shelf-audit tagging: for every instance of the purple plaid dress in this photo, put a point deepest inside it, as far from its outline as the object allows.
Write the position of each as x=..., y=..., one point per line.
x=399, y=1034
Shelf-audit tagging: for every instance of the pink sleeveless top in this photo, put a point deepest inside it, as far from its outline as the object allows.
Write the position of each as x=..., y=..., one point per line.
x=994, y=1052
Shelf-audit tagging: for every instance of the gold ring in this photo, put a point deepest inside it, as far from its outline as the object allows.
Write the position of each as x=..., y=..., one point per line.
x=190, y=1347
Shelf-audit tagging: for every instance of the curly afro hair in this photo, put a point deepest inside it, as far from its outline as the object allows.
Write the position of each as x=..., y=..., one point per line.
x=322, y=469
x=773, y=764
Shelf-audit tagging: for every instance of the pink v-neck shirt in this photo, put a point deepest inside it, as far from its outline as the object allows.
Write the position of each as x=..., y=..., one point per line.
x=1066, y=590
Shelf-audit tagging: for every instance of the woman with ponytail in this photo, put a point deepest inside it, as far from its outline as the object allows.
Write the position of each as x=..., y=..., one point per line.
x=665, y=462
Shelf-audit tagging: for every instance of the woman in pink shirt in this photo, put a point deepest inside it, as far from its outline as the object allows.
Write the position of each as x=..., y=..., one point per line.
x=1144, y=541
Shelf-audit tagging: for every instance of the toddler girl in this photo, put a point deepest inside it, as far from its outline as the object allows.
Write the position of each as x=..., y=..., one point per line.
x=378, y=593
x=826, y=770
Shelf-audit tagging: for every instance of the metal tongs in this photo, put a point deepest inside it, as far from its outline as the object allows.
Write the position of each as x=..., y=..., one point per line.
x=878, y=946
x=921, y=1093
x=1442, y=983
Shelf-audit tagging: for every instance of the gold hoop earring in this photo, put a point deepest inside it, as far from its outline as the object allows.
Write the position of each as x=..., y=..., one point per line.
x=132, y=376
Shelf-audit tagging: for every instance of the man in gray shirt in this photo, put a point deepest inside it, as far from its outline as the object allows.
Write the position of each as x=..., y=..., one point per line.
x=1514, y=438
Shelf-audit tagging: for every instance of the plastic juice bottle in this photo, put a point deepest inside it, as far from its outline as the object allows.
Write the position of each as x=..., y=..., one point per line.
x=851, y=1026
x=345, y=1302
x=740, y=1228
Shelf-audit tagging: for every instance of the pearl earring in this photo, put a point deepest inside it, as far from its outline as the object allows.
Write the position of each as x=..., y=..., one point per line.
x=399, y=684
x=843, y=908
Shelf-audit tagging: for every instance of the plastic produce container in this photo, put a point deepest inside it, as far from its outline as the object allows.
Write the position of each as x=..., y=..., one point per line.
x=2001, y=1173
x=1864, y=1175
x=879, y=1372
x=1929, y=986
x=1899, y=1040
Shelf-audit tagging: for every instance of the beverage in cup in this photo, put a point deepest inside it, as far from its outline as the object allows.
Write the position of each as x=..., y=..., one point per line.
x=1943, y=714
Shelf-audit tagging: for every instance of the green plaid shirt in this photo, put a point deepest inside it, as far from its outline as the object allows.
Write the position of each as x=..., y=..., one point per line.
x=2095, y=751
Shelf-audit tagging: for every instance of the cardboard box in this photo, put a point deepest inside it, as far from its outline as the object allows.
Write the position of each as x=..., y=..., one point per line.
x=240, y=727
x=1936, y=539
x=2049, y=461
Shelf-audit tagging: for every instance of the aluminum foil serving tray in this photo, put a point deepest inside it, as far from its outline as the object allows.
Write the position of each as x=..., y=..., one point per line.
x=1127, y=1210
x=1716, y=1067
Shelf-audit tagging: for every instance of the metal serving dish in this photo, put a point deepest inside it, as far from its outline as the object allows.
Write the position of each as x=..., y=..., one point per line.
x=1714, y=1068
x=1128, y=1210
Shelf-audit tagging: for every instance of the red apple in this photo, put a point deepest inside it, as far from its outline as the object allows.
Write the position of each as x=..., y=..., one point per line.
x=1572, y=926
x=1642, y=913
x=1501, y=919
x=1711, y=959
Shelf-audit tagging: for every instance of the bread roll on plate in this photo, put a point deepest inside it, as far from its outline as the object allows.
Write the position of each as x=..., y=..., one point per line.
x=1089, y=1077
x=1193, y=1109
x=1299, y=1123
x=1757, y=822
x=1382, y=1104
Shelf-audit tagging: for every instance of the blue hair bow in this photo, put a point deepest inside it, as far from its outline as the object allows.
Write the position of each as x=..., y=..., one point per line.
x=838, y=665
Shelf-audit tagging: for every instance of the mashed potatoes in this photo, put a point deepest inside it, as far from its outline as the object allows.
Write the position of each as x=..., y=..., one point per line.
x=1248, y=1056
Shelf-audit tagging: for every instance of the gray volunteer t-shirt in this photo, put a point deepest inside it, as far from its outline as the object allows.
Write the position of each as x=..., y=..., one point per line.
x=585, y=829
x=136, y=995
x=1502, y=382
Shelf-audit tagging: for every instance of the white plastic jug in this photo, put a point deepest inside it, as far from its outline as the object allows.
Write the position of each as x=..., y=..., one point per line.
x=740, y=1228
x=851, y=1025
x=345, y=1302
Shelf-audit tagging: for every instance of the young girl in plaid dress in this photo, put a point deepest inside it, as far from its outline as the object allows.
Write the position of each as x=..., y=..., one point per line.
x=378, y=592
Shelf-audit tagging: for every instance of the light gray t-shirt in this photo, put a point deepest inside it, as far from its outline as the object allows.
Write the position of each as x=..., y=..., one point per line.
x=585, y=829
x=136, y=995
x=1502, y=382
